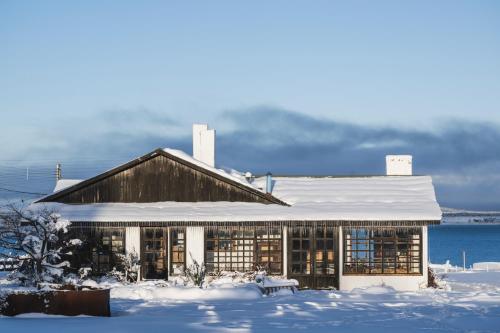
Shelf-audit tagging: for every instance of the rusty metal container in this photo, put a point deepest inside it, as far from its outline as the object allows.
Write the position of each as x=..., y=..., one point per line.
x=91, y=302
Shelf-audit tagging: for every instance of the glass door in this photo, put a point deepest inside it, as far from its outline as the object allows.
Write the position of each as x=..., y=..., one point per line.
x=312, y=258
x=154, y=253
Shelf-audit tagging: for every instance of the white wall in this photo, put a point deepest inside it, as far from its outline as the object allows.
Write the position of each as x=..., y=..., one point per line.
x=284, y=246
x=169, y=254
x=425, y=253
x=133, y=241
x=195, y=245
x=398, y=282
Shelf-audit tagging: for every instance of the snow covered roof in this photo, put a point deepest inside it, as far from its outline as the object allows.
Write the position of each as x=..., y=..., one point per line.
x=232, y=175
x=62, y=184
x=376, y=198
x=397, y=190
x=398, y=198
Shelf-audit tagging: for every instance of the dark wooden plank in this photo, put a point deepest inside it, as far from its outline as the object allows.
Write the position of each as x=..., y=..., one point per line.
x=160, y=177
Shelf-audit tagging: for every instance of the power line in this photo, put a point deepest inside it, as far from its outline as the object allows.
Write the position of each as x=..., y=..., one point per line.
x=22, y=192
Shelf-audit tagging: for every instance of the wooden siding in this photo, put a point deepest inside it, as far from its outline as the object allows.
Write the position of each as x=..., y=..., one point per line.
x=160, y=178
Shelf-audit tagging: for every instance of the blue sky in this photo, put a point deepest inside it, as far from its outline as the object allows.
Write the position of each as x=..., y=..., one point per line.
x=119, y=73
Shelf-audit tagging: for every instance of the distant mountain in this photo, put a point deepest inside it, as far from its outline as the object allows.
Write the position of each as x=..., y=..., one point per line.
x=462, y=216
x=463, y=212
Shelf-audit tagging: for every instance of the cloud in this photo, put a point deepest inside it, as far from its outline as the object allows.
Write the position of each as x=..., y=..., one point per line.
x=463, y=157
x=457, y=145
x=119, y=133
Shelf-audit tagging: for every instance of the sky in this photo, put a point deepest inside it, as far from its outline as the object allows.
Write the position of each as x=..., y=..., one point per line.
x=292, y=87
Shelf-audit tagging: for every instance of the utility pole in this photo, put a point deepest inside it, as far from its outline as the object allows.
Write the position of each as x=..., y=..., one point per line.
x=58, y=171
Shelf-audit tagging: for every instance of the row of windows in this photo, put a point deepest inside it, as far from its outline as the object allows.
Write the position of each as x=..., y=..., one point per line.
x=366, y=250
x=102, y=245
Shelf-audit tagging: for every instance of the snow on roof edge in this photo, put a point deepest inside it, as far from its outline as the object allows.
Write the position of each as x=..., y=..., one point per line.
x=236, y=176
x=62, y=184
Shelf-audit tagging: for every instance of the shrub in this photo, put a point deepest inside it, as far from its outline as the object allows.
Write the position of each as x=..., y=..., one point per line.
x=431, y=279
x=129, y=266
x=196, y=273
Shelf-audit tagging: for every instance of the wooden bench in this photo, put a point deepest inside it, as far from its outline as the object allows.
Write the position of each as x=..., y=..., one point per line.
x=269, y=286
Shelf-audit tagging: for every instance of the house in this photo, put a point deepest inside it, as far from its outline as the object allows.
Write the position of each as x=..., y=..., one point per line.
x=327, y=232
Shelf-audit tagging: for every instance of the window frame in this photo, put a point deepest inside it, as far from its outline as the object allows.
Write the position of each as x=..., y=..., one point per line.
x=217, y=259
x=310, y=248
x=381, y=242
x=172, y=251
x=162, y=252
x=301, y=247
x=93, y=250
x=274, y=246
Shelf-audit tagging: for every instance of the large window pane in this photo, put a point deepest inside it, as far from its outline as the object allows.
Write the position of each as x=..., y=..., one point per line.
x=301, y=251
x=312, y=251
x=154, y=253
x=99, y=249
x=177, y=251
x=382, y=250
x=243, y=249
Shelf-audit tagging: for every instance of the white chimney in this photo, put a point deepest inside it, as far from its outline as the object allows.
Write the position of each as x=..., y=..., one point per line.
x=204, y=144
x=398, y=165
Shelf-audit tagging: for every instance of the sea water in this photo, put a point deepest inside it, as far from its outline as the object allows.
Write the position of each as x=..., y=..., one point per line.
x=480, y=243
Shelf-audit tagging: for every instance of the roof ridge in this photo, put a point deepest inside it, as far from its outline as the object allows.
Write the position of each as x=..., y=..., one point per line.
x=172, y=154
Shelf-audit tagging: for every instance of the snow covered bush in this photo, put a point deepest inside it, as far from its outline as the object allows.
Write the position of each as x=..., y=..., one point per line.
x=196, y=273
x=35, y=238
x=118, y=275
x=238, y=277
x=84, y=272
x=128, y=268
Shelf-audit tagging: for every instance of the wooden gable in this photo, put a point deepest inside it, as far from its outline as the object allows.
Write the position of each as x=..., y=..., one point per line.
x=159, y=176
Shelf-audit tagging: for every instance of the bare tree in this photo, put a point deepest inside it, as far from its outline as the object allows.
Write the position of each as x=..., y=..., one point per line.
x=34, y=238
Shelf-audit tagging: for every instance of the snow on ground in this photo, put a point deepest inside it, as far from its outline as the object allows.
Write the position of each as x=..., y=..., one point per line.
x=470, y=302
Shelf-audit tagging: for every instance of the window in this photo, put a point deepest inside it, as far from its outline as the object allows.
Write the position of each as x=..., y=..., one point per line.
x=269, y=249
x=100, y=247
x=382, y=251
x=325, y=254
x=154, y=253
x=301, y=251
x=312, y=251
x=177, y=251
x=243, y=249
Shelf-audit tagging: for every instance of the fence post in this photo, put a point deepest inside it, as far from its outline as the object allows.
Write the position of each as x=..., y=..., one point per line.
x=463, y=256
